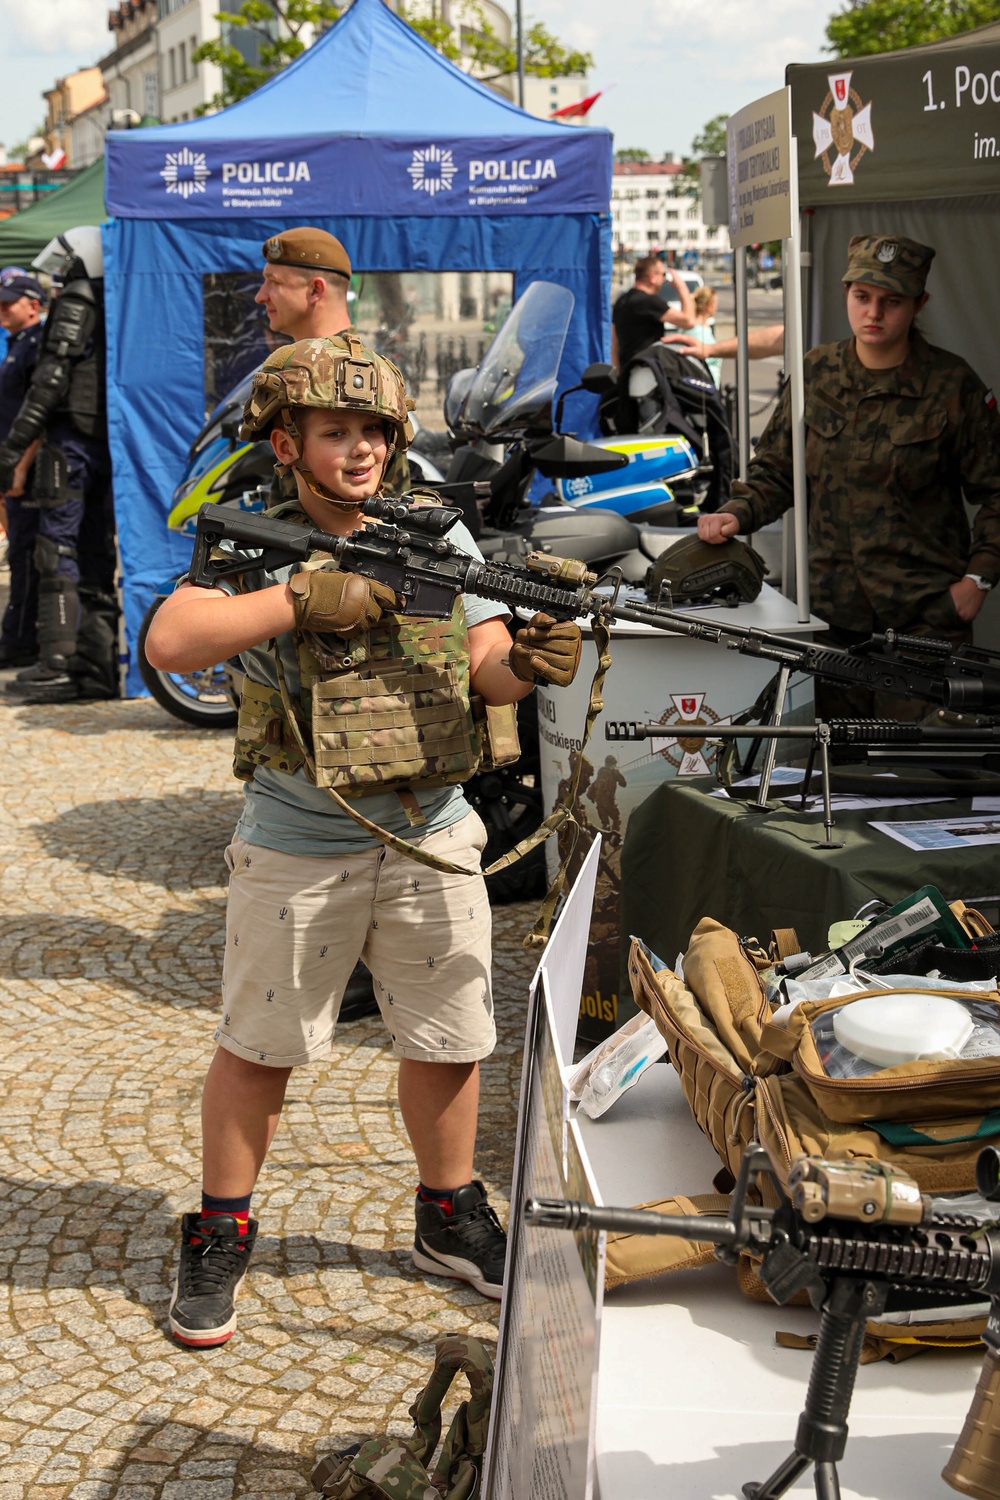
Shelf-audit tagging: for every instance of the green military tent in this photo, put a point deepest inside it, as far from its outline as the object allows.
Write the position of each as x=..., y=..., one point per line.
x=81, y=201
x=907, y=143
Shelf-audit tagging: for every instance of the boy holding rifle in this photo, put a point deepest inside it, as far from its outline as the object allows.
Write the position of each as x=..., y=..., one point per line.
x=327, y=866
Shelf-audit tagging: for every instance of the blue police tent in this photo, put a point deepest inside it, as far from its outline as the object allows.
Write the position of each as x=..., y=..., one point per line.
x=372, y=135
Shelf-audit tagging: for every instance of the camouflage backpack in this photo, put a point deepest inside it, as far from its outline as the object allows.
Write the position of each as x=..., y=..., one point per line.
x=385, y=1468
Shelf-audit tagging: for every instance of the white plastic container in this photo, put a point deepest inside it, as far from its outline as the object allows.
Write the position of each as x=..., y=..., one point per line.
x=890, y=1029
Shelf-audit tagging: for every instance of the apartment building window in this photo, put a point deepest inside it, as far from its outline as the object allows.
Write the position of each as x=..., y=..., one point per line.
x=182, y=60
x=652, y=192
x=653, y=214
x=192, y=44
x=172, y=67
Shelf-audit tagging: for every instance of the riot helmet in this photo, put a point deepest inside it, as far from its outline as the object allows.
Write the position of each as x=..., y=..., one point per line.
x=74, y=255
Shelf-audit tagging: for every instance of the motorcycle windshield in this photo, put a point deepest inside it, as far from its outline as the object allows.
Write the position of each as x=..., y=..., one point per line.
x=516, y=380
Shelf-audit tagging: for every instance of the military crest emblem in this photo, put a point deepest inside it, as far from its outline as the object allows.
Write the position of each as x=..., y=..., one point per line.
x=681, y=745
x=843, y=127
x=887, y=252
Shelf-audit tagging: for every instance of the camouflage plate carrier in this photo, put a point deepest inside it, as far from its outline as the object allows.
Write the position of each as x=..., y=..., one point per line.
x=387, y=1468
x=388, y=708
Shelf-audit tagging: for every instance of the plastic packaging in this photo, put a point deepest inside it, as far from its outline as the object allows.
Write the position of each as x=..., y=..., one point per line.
x=617, y=1065
x=981, y=1040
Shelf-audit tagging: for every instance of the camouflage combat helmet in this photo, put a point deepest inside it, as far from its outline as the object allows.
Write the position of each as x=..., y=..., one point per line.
x=336, y=374
x=696, y=572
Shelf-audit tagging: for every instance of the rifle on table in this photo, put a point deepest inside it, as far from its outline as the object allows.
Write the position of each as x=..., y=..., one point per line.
x=975, y=747
x=860, y=1239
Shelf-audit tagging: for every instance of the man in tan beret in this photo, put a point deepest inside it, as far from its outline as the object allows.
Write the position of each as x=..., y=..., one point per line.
x=306, y=276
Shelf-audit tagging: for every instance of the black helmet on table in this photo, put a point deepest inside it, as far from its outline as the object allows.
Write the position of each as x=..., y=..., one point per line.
x=698, y=572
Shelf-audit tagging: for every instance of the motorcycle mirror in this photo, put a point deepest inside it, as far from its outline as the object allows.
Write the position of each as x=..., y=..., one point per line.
x=564, y=457
x=599, y=379
x=230, y=429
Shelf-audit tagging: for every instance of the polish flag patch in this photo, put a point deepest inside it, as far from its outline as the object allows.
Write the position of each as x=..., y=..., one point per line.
x=991, y=400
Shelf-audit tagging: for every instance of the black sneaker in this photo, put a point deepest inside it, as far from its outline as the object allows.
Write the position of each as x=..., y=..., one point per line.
x=469, y=1243
x=214, y=1260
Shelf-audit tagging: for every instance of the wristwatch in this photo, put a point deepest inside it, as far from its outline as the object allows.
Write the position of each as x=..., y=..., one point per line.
x=981, y=583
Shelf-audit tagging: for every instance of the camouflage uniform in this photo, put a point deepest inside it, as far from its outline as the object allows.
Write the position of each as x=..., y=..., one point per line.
x=889, y=454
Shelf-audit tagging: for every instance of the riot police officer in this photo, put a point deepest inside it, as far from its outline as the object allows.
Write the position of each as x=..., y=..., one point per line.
x=21, y=300
x=64, y=408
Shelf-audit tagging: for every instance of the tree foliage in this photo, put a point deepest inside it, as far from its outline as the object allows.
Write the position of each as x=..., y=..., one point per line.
x=632, y=153
x=866, y=27
x=277, y=28
x=710, y=141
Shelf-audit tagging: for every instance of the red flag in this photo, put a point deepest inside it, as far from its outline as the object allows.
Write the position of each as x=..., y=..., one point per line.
x=578, y=110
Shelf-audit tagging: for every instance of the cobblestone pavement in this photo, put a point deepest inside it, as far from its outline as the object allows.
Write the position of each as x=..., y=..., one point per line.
x=111, y=933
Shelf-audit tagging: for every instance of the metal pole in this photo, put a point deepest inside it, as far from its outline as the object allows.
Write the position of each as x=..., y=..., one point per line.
x=742, y=359
x=520, y=54
x=794, y=355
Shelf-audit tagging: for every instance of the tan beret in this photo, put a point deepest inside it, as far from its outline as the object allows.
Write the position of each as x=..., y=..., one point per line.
x=889, y=262
x=312, y=249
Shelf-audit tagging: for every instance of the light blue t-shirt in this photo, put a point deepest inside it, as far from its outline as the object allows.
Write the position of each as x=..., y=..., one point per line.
x=290, y=814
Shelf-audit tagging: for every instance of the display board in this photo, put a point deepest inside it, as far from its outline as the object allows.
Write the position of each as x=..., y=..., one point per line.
x=545, y=1393
x=760, y=166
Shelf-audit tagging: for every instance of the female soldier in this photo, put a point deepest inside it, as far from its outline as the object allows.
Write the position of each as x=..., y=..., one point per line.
x=897, y=431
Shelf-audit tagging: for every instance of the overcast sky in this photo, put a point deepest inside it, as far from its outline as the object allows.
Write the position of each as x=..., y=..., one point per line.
x=675, y=65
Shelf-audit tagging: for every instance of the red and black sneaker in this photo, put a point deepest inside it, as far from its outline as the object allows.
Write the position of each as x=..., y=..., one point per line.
x=468, y=1243
x=215, y=1254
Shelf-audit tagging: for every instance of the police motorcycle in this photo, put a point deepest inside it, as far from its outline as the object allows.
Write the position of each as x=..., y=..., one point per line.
x=606, y=498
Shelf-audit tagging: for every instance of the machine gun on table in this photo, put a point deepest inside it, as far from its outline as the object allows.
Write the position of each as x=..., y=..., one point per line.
x=860, y=1239
x=405, y=546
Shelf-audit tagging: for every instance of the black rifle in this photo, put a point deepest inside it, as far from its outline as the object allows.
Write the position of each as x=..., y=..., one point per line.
x=861, y=1240
x=880, y=742
x=405, y=547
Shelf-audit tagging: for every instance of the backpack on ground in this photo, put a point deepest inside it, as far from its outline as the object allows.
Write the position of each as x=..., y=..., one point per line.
x=385, y=1468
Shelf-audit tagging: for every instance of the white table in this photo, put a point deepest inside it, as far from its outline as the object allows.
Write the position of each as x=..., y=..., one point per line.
x=694, y=1398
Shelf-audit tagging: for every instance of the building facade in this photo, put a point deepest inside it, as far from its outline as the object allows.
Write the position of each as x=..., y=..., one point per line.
x=182, y=26
x=652, y=210
x=69, y=98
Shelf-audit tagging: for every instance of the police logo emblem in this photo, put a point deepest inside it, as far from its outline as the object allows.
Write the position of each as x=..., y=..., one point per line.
x=887, y=252
x=844, y=126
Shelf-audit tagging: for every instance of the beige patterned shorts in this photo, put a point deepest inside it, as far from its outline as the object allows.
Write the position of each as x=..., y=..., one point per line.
x=296, y=926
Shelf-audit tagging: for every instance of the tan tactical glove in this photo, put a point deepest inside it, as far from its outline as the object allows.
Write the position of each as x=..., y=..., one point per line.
x=328, y=601
x=547, y=649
